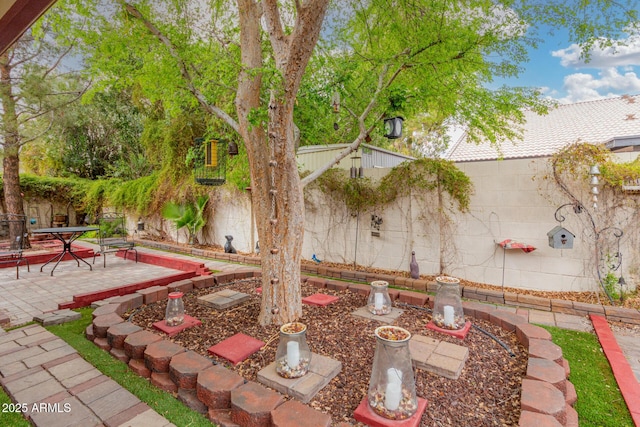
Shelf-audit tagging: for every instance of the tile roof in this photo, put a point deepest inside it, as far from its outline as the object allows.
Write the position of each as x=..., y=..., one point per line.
x=593, y=121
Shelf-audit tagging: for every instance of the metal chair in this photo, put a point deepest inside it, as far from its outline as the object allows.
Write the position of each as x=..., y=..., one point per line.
x=113, y=237
x=12, y=237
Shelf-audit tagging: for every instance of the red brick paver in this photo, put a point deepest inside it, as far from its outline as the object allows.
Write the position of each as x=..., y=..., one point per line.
x=625, y=378
x=236, y=348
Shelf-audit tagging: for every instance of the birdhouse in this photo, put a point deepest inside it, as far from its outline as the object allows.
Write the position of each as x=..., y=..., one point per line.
x=560, y=238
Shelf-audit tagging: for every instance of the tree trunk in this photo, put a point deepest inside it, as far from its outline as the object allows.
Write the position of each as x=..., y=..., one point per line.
x=275, y=182
x=11, y=147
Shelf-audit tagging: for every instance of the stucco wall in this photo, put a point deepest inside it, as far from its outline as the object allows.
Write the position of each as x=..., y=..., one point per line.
x=511, y=201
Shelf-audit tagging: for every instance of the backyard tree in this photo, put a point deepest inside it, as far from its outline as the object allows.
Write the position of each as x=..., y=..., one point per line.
x=245, y=65
x=32, y=89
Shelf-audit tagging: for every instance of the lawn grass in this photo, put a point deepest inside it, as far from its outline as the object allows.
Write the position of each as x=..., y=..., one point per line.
x=162, y=402
x=9, y=416
x=600, y=403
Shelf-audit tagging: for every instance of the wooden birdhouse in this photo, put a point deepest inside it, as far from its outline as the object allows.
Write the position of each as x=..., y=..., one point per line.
x=560, y=238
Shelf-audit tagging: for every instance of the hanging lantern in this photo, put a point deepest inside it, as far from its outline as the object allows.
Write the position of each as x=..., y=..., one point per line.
x=392, y=387
x=174, y=315
x=379, y=302
x=233, y=149
x=293, y=356
x=393, y=127
x=447, y=309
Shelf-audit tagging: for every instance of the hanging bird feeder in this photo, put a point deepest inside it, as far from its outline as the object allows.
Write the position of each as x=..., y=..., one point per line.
x=210, y=161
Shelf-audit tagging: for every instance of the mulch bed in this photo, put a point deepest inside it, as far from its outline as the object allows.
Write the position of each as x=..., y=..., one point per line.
x=486, y=394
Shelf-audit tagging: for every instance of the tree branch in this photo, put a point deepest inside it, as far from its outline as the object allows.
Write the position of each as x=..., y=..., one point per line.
x=279, y=41
x=364, y=130
x=212, y=109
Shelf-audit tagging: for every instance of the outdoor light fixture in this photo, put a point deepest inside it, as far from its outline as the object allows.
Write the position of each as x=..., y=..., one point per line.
x=379, y=302
x=293, y=356
x=392, y=387
x=233, y=149
x=140, y=224
x=393, y=127
x=447, y=309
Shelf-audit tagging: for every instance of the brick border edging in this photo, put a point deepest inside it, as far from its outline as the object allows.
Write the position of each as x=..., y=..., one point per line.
x=612, y=313
x=622, y=371
x=547, y=398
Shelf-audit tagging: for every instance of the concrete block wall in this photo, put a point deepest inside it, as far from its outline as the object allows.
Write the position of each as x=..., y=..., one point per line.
x=511, y=201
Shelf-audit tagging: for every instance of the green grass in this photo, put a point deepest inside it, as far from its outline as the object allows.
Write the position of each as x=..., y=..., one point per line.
x=600, y=403
x=162, y=402
x=9, y=417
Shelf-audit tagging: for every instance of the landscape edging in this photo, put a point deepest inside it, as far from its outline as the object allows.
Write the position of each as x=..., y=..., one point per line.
x=531, y=415
x=615, y=314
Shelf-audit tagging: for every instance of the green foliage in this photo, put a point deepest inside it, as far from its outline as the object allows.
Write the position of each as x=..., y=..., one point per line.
x=189, y=215
x=62, y=190
x=600, y=403
x=576, y=160
x=137, y=195
x=422, y=174
x=162, y=402
x=238, y=173
x=610, y=283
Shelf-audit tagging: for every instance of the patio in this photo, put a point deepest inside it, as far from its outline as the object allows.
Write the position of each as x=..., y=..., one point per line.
x=44, y=292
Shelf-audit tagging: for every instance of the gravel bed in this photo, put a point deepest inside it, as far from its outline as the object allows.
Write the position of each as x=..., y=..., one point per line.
x=486, y=394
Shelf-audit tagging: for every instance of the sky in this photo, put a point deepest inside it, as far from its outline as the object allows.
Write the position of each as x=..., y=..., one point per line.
x=557, y=69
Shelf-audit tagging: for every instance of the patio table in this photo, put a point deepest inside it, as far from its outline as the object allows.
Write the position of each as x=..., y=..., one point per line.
x=59, y=234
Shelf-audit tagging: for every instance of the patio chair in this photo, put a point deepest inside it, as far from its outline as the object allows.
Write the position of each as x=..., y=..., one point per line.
x=112, y=237
x=12, y=237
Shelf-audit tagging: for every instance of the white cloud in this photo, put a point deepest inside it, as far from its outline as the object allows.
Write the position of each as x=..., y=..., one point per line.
x=627, y=52
x=614, y=73
x=608, y=82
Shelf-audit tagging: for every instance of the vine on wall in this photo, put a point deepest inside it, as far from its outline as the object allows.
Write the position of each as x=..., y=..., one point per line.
x=422, y=174
x=616, y=208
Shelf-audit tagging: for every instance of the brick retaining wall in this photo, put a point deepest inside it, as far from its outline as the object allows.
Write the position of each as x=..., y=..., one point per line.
x=547, y=396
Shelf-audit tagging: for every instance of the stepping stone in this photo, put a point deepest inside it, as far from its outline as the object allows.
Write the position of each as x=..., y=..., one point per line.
x=188, y=322
x=321, y=371
x=458, y=333
x=320, y=300
x=387, y=319
x=237, y=348
x=295, y=414
x=438, y=357
x=224, y=299
x=365, y=414
x=56, y=317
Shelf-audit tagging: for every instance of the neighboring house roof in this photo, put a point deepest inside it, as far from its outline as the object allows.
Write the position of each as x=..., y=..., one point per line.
x=311, y=157
x=615, y=121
